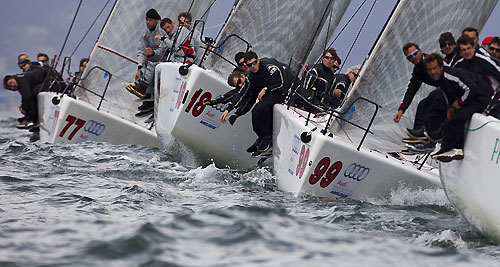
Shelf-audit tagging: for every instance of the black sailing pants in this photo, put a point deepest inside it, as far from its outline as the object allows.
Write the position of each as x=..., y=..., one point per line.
x=262, y=114
x=431, y=111
x=454, y=128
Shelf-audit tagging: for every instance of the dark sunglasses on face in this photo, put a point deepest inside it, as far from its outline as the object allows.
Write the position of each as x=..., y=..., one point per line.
x=43, y=61
x=445, y=44
x=327, y=57
x=494, y=49
x=251, y=64
x=241, y=64
x=335, y=67
x=410, y=56
x=356, y=75
x=21, y=65
x=240, y=82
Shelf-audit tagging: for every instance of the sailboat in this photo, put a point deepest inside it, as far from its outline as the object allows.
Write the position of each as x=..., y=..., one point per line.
x=356, y=153
x=103, y=110
x=269, y=28
x=472, y=184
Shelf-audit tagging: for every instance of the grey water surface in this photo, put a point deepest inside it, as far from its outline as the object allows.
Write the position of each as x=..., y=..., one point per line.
x=96, y=204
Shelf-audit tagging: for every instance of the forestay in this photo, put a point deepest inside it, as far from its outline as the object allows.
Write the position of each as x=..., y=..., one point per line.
x=386, y=74
x=274, y=29
x=116, y=51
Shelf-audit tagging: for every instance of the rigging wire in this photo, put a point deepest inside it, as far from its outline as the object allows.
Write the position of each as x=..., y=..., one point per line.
x=347, y=23
x=236, y=2
x=69, y=31
x=208, y=9
x=359, y=32
x=92, y=25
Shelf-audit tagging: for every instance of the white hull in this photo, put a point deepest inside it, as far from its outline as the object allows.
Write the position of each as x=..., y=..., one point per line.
x=472, y=185
x=74, y=121
x=180, y=113
x=332, y=167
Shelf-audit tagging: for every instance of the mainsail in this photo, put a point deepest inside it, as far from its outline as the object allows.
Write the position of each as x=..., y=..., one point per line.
x=116, y=51
x=274, y=29
x=332, y=21
x=386, y=74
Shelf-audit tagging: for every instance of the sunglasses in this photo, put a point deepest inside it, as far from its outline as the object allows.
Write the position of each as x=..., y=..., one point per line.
x=335, y=67
x=445, y=44
x=327, y=57
x=356, y=75
x=241, y=64
x=240, y=82
x=410, y=56
x=251, y=64
x=494, y=49
x=21, y=65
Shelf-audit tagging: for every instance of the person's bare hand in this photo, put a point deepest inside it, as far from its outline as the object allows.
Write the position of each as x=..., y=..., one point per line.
x=223, y=116
x=397, y=116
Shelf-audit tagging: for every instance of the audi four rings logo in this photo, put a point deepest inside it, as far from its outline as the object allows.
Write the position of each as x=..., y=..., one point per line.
x=94, y=127
x=356, y=172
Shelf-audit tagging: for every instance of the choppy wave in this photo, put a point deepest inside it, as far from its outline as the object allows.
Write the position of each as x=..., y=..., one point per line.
x=95, y=204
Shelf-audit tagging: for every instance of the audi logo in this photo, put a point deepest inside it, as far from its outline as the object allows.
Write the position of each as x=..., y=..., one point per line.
x=356, y=172
x=94, y=127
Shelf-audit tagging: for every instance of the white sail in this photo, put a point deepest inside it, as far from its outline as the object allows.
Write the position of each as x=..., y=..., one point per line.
x=273, y=28
x=332, y=21
x=386, y=74
x=116, y=51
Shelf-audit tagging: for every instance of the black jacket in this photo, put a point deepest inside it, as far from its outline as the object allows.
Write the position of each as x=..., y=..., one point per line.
x=341, y=82
x=29, y=84
x=462, y=85
x=418, y=76
x=483, y=65
x=313, y=81
x=273, y=75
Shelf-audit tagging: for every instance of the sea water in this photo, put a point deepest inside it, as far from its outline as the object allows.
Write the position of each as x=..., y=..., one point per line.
x=96, y=204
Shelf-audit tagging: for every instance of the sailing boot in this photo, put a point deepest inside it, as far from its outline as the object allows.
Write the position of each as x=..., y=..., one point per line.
x=138, y=88
x=147, y=108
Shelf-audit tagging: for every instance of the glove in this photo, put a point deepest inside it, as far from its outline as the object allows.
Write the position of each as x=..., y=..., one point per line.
x=209, y=102
x=232, y=119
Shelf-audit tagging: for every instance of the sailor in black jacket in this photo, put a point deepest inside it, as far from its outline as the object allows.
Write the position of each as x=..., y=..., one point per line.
x=472, y=94
x=341, y=83
x=271, y=79
x=485, y=66
x=28, y=84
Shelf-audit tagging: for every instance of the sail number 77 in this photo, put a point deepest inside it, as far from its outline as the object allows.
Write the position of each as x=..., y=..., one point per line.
x=72, y=120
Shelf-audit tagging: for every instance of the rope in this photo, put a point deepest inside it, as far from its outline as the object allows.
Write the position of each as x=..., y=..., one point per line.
x=67, y=35
x=484, y=124
x=92, y=25
x=359, y=32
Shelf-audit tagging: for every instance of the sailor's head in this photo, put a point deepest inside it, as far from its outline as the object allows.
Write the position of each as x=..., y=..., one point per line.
x=494, y=47
x=152, y=18
x=236, y=78
x=466, y=46
x=412, y=53
x=353, y=73
x=24, y=65
x=43, y=59
x=252, y=61
x=330, y=59
x=10, y=83
x=434, y=66
x=240, y=61
x=167, y=25
x=447, y=43
x=472, y=33
x=185, y=19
